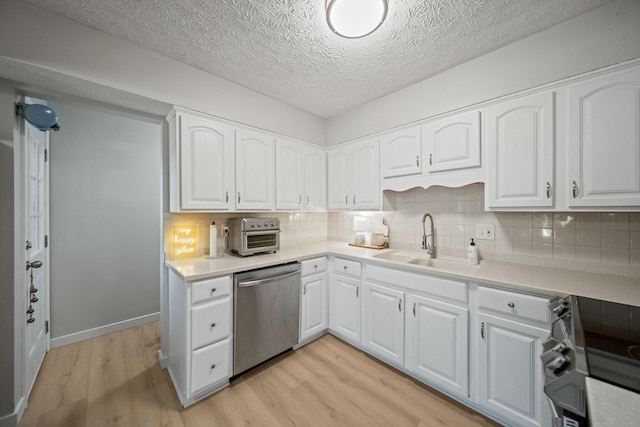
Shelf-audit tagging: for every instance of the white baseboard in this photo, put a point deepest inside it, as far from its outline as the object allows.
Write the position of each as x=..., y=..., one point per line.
x=103, y=330
x=163, y=359
x=12, y=419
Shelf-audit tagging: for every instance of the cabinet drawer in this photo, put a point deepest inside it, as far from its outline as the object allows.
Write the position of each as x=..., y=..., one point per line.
x=515, y=304
x=311, y=266
x=348, y=268
x=210, y=322
x=210, y=289
x=210, y=365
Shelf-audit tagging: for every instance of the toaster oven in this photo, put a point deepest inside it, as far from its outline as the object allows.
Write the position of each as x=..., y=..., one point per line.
x=250, y=236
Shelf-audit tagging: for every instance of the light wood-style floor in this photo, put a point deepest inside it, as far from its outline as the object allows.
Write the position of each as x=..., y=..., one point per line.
x=115, y=380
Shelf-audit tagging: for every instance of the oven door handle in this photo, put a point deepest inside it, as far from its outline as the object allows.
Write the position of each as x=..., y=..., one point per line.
x=270, y=279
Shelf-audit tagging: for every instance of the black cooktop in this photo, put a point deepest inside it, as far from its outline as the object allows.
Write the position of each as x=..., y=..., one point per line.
x=612, y=341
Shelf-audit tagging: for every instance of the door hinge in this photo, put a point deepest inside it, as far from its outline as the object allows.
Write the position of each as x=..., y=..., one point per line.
x=46, y=241
x=46, y=155
x=46, y=326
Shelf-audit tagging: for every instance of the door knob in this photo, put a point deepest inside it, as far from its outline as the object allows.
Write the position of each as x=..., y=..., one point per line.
x=34, y=264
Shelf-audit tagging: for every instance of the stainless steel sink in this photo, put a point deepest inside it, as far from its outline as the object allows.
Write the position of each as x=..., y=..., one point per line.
x=394, y=256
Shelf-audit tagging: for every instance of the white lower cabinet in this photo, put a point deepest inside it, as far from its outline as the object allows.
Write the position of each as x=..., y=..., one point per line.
x=437, y=343
x=512, y=330
x=345, y=312
x=383, y=322
x=200, y=330
x=314, y=306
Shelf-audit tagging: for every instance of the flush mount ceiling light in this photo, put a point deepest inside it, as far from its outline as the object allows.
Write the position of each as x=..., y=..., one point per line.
x=355, y=18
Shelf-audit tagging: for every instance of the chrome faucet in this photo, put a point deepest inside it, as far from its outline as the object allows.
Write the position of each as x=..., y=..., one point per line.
x=430, y=247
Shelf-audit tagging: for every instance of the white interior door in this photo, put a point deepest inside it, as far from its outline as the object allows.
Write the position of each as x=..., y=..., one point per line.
x=36, y=223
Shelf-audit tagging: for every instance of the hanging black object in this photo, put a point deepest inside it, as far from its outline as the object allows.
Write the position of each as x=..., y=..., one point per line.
x=39, y=116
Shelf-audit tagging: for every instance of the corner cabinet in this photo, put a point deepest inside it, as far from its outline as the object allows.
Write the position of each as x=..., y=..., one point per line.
x=255, y=170
x=354, y=176
x=513, y=327
x=201, y=164
x=200, y=334
x=520, y=152
x=604, y=141
x=301, y=176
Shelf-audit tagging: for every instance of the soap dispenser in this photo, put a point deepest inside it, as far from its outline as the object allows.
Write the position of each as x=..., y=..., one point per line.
x=472, y=253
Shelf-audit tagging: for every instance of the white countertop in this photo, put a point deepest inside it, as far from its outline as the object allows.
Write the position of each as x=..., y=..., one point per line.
x=605, y=408
x=526, y=278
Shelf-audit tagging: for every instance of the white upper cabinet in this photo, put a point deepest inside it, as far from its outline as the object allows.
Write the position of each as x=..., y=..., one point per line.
x=301, y=178
x=315, y=178
x=255, y=174
x=201, y=164
x=354, y=176
x=289, y=174
x=604, y=141
x=401, y=153
x=520, y=152
x=452, y=143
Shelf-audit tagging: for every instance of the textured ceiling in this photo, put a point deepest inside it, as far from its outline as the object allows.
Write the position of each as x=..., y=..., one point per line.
x=284, y=48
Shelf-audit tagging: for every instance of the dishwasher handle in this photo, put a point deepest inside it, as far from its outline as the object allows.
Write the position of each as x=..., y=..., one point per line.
x=267, y=280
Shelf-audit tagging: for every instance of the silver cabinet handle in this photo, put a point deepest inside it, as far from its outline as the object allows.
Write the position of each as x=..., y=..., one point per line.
x=307, y=200
x=400, y=304
x=482, y=330
x=417, y=160
x=414, y=308
x=238, y=197
x=346, y=199
x=299, y=199
x=354, y=199
x=574, y=189
x=358, y=291
x=213, y=325
x=430, y=159
x=511, y=304
x=226, y=197
x=304, y=289
x=548, y=190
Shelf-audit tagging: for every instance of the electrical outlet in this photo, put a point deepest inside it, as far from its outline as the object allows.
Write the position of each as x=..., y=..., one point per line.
x=485, y=232
x=225, y=230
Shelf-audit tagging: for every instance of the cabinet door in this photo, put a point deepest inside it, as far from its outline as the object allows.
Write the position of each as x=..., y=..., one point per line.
x=315, y=179
x=289, y=175
x=345, y=307
x=520, y=152
x=383, y=322
x=366, y=182
x=206, y=164
x=604, y=141
x=254, y=170
x=338, y=176
x=437, y=343
x=511, y=376
x=452, y=143
x=315, y=311
x=401, y=153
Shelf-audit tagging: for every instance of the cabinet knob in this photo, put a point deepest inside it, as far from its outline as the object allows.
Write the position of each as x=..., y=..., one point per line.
x=213, y=290
x=213, y=325
x=511, y=304
x=213, y=366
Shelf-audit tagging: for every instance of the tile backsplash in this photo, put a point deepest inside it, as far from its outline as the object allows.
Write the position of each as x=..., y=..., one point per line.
x=607, y=242
x=595, y=242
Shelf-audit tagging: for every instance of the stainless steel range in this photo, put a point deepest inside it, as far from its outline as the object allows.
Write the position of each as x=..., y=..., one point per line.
x=250, y=236
x=589, y=339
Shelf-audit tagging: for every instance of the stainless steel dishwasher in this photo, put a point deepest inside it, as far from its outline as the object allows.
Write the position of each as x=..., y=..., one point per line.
x=266, y=314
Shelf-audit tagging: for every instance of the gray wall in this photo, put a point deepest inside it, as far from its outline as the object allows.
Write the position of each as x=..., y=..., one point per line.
x=7, y=318
x=106, y=184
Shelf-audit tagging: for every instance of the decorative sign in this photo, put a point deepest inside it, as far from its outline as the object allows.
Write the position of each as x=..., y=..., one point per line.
x=185, y=241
